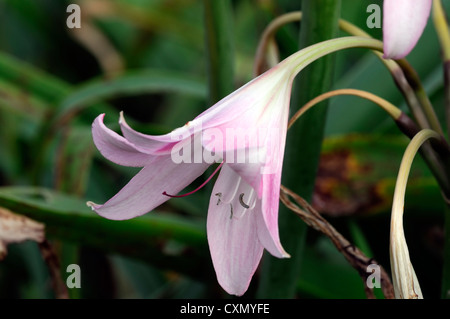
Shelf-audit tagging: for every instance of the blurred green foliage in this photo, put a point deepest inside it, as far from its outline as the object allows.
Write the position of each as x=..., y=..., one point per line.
x=54, y=82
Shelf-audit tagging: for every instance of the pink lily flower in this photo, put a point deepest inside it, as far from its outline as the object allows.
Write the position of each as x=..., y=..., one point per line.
x=243, y=210
x=403, y=24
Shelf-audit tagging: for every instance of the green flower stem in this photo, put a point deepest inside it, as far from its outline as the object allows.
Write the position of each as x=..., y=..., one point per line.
x=391, y=109
x=443, y=32
x=442, y=29
x=407, y=81
x=403, y=74
x=268, y=36
x=436, y=164
x=404, y=278
x=279, y=277
x=409, y=84
x=413, y=79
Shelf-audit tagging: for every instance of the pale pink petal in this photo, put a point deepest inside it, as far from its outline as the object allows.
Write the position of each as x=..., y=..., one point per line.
x=238, y=194
x=250, y=173
x=258, y=133
x=245, y=106
x=116, y=148
x=250, y=169
x=145, y=190
x=263, y=177
x=268, y=218
x=154, y=144
x=234, y=245
x=403, y=24
x=270, y=194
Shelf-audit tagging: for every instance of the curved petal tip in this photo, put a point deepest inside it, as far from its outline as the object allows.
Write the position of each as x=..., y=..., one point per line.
x=92, y=205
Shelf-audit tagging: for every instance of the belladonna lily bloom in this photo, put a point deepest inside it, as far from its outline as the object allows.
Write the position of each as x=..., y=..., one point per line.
x=243, y=210
x=245, y=132
x=403, y=24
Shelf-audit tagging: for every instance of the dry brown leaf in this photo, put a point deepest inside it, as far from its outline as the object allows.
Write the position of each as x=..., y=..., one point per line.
x=16, y=228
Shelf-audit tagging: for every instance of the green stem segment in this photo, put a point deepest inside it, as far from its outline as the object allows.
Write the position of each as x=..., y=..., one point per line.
x=420, y=105
x=437, y=164
x=442, y=29
x=404, y=76
x=391, y=109
x=406, y=285
x=443, y=32
x=279, y=277
x=408, y=82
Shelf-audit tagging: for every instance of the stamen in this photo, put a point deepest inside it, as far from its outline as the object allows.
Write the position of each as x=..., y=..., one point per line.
x=218, y=200
x=231, y=216
x=198, y=188
x=241, y=201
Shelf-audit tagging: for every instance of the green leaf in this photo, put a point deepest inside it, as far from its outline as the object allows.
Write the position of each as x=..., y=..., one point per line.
x=327, y=275
x=220, y=48
x=73, y=160
x=161, y=239
x=131, y=83
x=32, y=80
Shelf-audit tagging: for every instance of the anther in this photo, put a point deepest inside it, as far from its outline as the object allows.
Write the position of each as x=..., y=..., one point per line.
x=218, y=200
x=231, y=206
x=241, y=201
